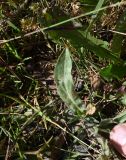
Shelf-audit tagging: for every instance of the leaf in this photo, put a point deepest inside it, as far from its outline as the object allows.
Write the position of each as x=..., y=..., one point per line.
x=117, y=71
x=13, y=26
x=123, y=99
x=94, y=40
x=97, y=46
x=78, y=38
x=90, y=109
x=106, y=72
x=105, y=151
x=64, y=82
x=12, y=3
x=118, y=38
x=90, y=4
x=12, y=50
x=121, y=118
x=94, y=17
x=107, y=123
x=99, y=4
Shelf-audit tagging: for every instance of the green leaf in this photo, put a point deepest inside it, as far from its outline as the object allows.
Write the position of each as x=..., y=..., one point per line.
x=106, y=72
x=89, y=2
x=88, y=5
x=94, y=17
x=123, y=99
x=12, y=50
x=13, y=26
x=64, y=82
x=121, y=118
x=81, y=39
x=117, y=71
x=107, y=123
x=78, y=38
x=100, y=3
x=2, y=70
x=12, y=3
x=118, y=38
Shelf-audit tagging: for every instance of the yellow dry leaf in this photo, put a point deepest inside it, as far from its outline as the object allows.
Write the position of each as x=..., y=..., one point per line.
x=90, y=109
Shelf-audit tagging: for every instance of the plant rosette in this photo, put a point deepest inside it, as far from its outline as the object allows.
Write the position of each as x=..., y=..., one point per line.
x=118, y=138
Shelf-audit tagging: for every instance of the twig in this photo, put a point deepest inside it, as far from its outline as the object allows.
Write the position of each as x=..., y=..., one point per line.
x=117, y=32
x=7, y=151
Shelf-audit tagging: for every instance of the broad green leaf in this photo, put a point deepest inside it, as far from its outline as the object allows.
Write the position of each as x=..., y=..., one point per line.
x=107, y=123
x=78, y=38
x=94, y=40
x=121, y=118
x=97, y=46
x=106, y=72
x=64, y=82
x=117, y=71
x=118, y=38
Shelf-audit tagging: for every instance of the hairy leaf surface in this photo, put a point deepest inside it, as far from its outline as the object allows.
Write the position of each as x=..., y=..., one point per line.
x=64, y=82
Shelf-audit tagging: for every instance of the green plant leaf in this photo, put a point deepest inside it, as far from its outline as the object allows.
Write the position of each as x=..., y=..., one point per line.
x=64, y=82
x=123, y=99
x=100, y=3
x=94, y=17
x=13, y=26
x=12, y=3
x=107, y=123
x=90, y=5
x=12, y=50
x=121, y=118
x=117, y=71
x=118, y=38
x=77, y=37
x=81, y=39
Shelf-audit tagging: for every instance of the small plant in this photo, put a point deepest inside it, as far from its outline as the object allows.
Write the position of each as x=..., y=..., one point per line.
x=62, y=83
